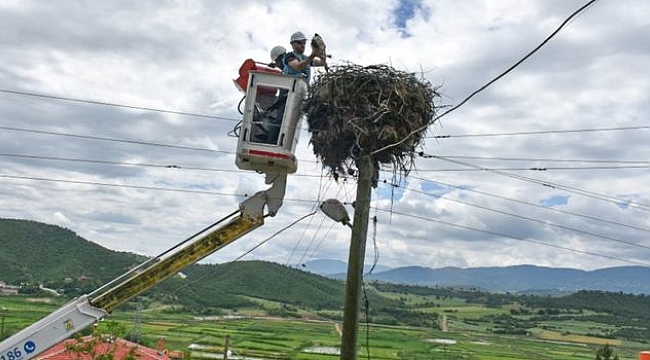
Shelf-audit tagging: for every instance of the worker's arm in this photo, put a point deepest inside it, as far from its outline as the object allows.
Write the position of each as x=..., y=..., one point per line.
x=313, y=59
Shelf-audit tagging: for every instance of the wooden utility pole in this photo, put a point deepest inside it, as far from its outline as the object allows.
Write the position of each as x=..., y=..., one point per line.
x=355, y=259
x=226, y=348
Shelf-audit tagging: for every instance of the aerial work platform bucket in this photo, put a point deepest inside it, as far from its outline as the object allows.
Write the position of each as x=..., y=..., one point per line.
x=269, y=130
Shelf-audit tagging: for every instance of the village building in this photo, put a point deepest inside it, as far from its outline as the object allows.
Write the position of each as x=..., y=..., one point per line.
x=118, y=347
x=8, y=289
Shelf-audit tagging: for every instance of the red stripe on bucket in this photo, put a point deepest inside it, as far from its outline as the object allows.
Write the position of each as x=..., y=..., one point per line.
x=268, y=154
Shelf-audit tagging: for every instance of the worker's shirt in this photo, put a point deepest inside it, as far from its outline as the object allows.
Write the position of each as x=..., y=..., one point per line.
x=304, y=73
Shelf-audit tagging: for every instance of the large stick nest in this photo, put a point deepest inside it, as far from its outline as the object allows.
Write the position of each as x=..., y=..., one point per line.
x=355, y=111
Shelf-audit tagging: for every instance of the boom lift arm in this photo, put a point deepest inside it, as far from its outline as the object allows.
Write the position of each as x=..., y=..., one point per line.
x=271, y=154
x=87, y=309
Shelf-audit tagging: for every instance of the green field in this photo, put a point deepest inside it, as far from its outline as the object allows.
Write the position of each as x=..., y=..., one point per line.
x=265, y=337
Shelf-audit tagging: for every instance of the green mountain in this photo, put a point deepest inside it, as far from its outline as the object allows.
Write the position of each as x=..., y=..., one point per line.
x=240, y=284
x=48, y=254
x=524, y=278
x=38, y=253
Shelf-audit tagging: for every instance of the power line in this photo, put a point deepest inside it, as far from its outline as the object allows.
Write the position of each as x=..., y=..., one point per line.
x=247, y=252
x=303, y=175
x=313, y=239
x=274, y=235
x=293, y=200
x=137, y=142
x=564, y=227
x=126, y=141
x=591, y=194
x=566, y=21
x=322, y=240
x=624, y=128
x=463, y=188
x=593, y=161
x=140, y=187
x=302, y=235
x=127, y=186
x=118, y=163
x=134, y=107
x=515, y=238
x=303, y=201
x=318, y=245
x=158, y=257
x=543, y=168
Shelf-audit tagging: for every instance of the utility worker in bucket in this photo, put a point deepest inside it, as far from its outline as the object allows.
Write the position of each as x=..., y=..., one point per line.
x=277, y=57
x=296, y=62
x=268, y=117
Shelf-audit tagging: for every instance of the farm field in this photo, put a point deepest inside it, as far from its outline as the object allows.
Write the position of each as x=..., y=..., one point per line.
x=253, y=335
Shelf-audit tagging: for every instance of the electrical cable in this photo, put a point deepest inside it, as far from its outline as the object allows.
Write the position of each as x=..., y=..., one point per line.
x=389, y=211
x=489, y=232
x=118, y=163
x=134, y=107
x=241, y=112
x=159, y=256
x=594, y=218
x=245, y=253
x=322, y=240
x=137, y=142
x=366, y=300
x=304, y=255
x=274, y=235
x=455, y=107
x=375, y=259
x=592, y=161
x=623, y=128
x=346, y=192
x=126, y=141
x=139, y=187
x=366, y=307
x=564, y=227
x=571, y=189
x=318, y=245
x=311, y=243
x=314, y=208
x=544, y=168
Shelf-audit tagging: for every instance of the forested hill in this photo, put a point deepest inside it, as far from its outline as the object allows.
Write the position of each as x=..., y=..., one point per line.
x=42, y=253
x=38, y=253
x=237, y=284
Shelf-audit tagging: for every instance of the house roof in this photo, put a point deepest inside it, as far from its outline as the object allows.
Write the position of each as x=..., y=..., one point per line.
x=119, y=347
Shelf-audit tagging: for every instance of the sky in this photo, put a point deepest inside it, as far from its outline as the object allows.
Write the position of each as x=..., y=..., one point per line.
x=587, y=210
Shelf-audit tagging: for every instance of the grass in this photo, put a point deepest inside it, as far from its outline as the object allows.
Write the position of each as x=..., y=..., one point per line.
x=472, y=312
x=581, y=339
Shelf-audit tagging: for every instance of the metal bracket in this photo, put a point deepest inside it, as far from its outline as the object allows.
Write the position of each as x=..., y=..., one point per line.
x=271, y=197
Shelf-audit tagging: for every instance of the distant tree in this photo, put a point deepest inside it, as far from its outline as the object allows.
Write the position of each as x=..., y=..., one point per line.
x=606, y=353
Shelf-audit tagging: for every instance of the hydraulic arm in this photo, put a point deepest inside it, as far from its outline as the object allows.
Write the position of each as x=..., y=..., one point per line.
x=87, y=309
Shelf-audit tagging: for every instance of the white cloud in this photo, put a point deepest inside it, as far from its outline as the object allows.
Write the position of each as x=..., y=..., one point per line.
x=183, y=56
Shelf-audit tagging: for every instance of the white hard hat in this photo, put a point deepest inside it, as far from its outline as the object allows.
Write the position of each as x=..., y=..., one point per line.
x=297, y=36
x=277, y=51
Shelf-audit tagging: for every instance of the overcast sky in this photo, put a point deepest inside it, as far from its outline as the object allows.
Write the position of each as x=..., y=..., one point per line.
x=183, y=55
